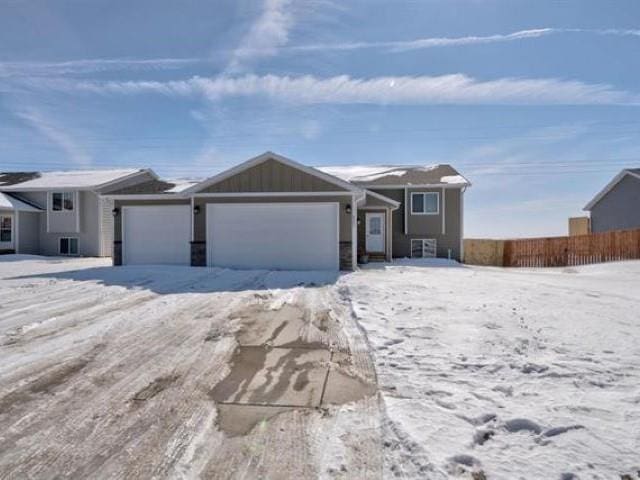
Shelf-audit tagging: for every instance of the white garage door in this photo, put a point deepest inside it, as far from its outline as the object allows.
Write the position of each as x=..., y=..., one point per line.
x=284, y=236
x=156, y=235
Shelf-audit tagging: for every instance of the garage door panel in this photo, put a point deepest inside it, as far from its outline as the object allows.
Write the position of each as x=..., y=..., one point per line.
x=273, y=236
x=156, y=235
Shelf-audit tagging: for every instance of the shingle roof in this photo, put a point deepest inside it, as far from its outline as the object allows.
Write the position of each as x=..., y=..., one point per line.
x=154, y=187
x=381, y=175
x=12, y=178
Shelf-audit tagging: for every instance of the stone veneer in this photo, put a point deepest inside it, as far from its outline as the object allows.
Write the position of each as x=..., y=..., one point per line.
x=198, y=254
x=346, y=257
x=117, y=253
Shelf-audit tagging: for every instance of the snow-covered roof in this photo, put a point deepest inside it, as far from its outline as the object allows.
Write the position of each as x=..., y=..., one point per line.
x=8, y=202
x=380, y=175
x=81, y=179
x=180, y=185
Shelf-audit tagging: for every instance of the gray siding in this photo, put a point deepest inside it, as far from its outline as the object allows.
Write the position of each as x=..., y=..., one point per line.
x=91, y=221
x=106, y=226
x=427, y=226
x=272, y=176
x=619, y=209
x=29, y=233
x=88, y=235
x=65, y=221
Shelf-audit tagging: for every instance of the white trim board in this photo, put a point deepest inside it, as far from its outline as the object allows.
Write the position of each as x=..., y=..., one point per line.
x=400, y=186
x=279, y=158
x=148, y=196
x=272, y=194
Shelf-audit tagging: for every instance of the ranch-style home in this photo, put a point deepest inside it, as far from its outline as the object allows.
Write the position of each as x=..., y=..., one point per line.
x=269, y=212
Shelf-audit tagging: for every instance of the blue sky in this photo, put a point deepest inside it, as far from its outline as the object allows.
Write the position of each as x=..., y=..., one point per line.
x=536, y=102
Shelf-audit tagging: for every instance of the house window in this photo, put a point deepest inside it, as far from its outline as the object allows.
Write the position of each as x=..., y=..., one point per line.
x=5, y=229
x=68, y=246
x=424, y=247
x=425, y=203
x=62, y=201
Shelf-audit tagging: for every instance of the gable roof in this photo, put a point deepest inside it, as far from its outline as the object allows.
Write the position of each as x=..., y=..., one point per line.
x=635, y=172
x=9, y=202
x=74, y=179
x=278, y=158
x=398, y=175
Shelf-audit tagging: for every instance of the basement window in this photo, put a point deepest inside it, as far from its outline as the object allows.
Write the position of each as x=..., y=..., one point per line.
x=68, y=246
x=423, y=248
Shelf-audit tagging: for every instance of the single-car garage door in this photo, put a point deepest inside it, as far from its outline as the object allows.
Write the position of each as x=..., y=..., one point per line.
x=283, y=236
x=157, y=235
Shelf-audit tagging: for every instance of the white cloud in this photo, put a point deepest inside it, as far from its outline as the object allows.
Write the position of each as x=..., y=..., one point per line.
x=420, y=90
x=435, y=42
x=14, y=69
x=57, y=136
x=420, y=43
x=269, y=32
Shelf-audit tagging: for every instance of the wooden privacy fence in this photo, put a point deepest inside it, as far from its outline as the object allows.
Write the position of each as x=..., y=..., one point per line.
x=575, y=250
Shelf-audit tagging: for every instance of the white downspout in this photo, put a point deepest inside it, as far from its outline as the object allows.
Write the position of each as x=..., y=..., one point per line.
x=406, y=214
x=354, y=232
x=462, y=190
x=444, y=211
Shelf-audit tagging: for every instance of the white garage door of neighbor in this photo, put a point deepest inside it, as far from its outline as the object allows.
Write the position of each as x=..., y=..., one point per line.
x=282, y=236
x=156, y=235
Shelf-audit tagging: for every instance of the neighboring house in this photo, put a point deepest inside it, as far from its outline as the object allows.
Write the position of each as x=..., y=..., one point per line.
x=617, y=206
x=61, y=213
x=273, y=213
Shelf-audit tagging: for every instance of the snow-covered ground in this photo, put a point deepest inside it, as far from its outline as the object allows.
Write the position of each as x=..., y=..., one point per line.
x=481, y=372
x=517, y=373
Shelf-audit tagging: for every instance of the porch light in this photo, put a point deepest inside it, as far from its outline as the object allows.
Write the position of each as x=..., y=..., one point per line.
x=115, y=212
x=196, y=210
x=348, y=208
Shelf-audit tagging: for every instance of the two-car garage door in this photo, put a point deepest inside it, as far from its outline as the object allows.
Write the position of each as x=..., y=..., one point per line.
x=287, y=236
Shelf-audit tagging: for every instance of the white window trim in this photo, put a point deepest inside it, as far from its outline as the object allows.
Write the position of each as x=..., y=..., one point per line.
x=437, y=212
x=69, y=243
x=62, y=209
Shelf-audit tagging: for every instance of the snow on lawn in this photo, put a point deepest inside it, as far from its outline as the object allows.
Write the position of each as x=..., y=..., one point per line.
x=531, y=374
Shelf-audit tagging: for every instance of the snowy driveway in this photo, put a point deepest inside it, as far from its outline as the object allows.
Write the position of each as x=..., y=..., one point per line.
x=141, y=372
x=401, y=371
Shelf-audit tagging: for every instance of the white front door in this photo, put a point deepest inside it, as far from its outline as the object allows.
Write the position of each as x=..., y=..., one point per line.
x=374, y=232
